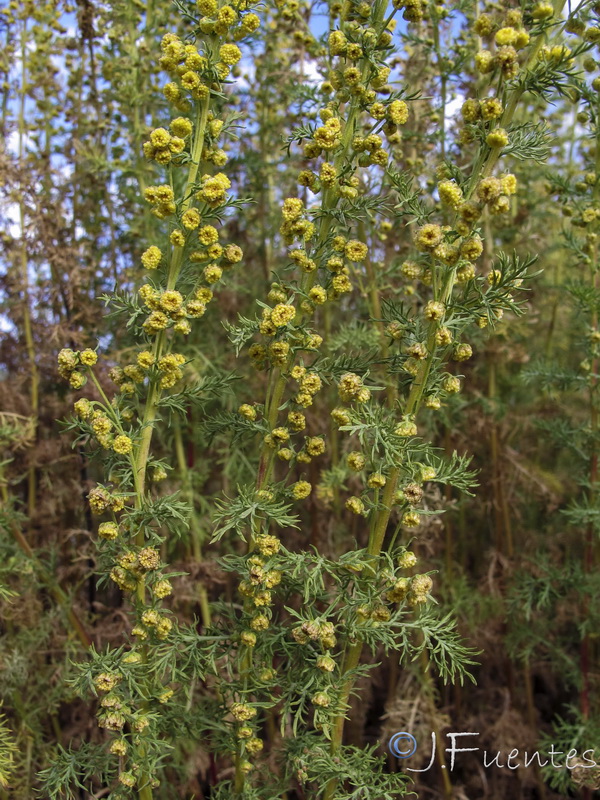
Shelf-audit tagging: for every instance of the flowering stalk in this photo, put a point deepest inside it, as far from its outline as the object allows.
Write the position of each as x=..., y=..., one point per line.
x=428, y=239
x=134, y=682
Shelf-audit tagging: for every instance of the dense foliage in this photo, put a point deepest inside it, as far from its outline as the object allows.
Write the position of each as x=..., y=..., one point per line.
x=299, y=398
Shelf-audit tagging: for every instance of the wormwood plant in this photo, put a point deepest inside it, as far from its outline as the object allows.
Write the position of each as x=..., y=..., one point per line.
x=266, y=686
x=574, y=383
x=135, y=681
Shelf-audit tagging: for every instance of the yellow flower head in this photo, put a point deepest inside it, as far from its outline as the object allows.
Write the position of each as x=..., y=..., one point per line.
x=230, y=54
x=151, y=257
x=488, y=189
x=337, y=43
x=145, y=359
x=208, y=235
x=247, y=411
x=355, y=505
x=356, y=461
x=356, y=251
x=77, y=380
x=543, y=10
x=315, y=445
x=68, y=359
x=491, y=108
x=506, y=36
x=227, y=16
x=214, y=188
x=428, y=237
x=204, y=295
x=162, y=588
x=509, y=184
x=213, y=273
x=181, y=127
x=190, y=219
x=88, y=357
x=160, y=137
x=250, y=23
x=233, y=253
x=214, y=251
x=497, y=138
x=83, y=408
x=471, y=110
x=472, y=248
x=108, y=530
x=434, y=310
x=484, y=61
x=450, y=193
x=282, y=314
x=122, y=444
x=171, y=300
x=301, y=489
x=195, y=309
x=397, y=112
x=207, y=7
x=156, y=322
x=292, y=208
x=318, y=295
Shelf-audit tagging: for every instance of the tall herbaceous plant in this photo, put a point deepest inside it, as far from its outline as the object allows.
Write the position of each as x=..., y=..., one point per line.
x=377, y=270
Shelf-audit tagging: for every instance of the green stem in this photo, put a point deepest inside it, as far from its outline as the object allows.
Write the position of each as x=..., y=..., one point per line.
x=154, y=393
x=24, y=277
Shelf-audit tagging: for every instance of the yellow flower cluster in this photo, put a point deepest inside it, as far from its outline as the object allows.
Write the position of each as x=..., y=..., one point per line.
x=509, y=39
x=356, y=461
x=495, y=192
x=434, y=310
x=170, y=368
x=122, y=444
x=101, y=500
x=225, y=20
x=193, y=72
x=420, y=588
x=185, y=63
x=356, y=251
x=295, y=226
x=406, y=428
x=168, y=309
x=69, y=363
x=316, y=631
x=108, y=530
x=301, y=490
x=256, y=587
x=162, y=200
x=412, y=9
x=351, y=389
x=153, y=622
x=309, y=385
x=397, y=112
x=355, y=505
x=162, y=146
x=371, y=147
x=326, y=137
x=213, y=189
